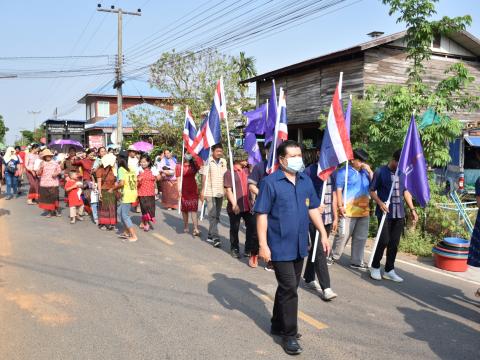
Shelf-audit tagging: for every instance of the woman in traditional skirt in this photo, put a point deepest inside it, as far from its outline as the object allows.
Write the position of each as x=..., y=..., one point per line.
x=32, y=177
x=169, y=181
x=106, y=178
x=474, y=250
x=146, y=191
x=189, y=193
x=49, y=173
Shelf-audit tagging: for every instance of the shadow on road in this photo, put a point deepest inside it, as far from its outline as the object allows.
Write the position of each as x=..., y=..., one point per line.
x=243, y=296
x=448, y=339
x=4, y=212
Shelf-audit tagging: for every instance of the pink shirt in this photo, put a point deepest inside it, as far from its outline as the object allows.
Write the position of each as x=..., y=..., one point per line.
x=31, y=161
x=49, y=172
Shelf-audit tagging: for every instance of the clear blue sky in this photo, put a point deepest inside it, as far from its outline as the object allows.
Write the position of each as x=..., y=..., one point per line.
x=47, y=27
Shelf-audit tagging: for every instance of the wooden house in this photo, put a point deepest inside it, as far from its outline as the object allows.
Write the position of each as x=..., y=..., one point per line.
x=309, y=84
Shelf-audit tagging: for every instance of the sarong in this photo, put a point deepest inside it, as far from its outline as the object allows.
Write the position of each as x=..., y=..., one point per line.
x=189, y=205
x=147, y=204
x=48, y=198
x=170, y=194
x=34, y=186
x=107, y=209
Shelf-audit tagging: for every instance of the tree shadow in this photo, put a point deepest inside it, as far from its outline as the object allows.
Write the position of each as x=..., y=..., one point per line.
x=243, y=296
x=448, y=338
x=176, y=222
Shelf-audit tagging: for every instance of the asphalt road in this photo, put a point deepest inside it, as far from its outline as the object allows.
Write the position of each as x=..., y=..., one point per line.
x=75, y=292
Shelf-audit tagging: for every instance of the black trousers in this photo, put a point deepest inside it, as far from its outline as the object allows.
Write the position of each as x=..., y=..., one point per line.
x=285, y=308
x=389, y=238
x=320, y=265
x=251, y=239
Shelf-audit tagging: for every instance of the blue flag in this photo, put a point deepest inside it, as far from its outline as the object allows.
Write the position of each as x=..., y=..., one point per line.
x=256, y=120
x=412, y=167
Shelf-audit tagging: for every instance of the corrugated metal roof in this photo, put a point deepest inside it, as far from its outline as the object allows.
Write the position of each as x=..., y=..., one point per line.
x=130, y=88
x=156, y=114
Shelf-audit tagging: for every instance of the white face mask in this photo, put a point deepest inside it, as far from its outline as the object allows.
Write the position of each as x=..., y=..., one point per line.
x=295, y=164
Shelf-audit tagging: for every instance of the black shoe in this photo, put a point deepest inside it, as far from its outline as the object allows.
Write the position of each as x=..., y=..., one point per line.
x=361, y=267
x=291, y=346
x=280, y=333
x=216, y=243
x=235, y=253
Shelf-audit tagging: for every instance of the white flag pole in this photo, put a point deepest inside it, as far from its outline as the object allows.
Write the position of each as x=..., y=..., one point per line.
x=205, y=185
x=315, y=244
x=277, y=124
x=228, y=139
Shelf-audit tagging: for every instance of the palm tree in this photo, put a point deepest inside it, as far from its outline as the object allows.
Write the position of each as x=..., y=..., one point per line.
x=245, y=68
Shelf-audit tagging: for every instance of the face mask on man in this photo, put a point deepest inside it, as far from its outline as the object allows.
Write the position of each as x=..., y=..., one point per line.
x=188, y=157
x=295, y=164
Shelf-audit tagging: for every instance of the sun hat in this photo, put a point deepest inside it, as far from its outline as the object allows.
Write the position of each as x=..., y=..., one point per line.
x=46, y=152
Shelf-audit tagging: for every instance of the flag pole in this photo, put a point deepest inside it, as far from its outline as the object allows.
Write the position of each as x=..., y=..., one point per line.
x=317, y=233
x=228, y=142
x=181, y=178
x=387, y=204
x=275, y=134
x=205, y=185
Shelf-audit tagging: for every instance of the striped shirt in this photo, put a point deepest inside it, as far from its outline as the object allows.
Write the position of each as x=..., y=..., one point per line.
x=215, y=177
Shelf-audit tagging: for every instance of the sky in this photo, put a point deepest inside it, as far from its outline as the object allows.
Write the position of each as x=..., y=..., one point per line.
x=74, y=27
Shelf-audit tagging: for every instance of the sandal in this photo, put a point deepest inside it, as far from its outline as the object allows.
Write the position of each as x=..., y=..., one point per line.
x=196, y=233
x=123, y=236
x=186, y=230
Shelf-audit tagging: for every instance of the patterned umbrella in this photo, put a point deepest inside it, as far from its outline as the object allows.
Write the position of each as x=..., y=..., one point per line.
x=143, y=146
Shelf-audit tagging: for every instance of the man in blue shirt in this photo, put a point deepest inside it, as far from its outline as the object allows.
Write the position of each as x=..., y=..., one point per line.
x=286, y=201
x=392, y=230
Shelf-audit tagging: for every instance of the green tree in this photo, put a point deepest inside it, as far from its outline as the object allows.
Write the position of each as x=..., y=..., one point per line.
x=451, y=95
x=3, y=129
x=191, y=77
x=245, y=68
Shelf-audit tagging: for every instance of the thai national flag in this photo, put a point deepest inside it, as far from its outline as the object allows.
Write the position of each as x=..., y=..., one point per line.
x=281, y=132
x=189, y=131
x=336, y=147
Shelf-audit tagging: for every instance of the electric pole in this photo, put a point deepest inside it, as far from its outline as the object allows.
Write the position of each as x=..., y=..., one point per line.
x=118, y=80
x=34, y=113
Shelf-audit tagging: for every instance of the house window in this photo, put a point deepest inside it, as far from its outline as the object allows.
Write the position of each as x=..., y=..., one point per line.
x=103, y=108
x=91, y=111
x=437, y=41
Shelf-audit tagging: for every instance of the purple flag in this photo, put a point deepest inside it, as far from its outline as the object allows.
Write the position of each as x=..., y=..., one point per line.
x=250, y=145
x=412, y=167
x=348, y=115
x=272, y=115
x=256, y=120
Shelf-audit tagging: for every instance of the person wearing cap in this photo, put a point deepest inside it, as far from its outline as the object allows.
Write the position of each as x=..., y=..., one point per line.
x=239, y=207
x=329, y=211
x=49, y=173
x=356, y=210
x=32, y=178
x=286, y=201
x=392, y=230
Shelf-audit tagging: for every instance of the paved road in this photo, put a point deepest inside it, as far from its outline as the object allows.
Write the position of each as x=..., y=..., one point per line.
x=75, y=292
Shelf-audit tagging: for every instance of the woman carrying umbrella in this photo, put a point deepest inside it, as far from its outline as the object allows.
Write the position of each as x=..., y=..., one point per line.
x=106, y=178
x=30, y=159
x=49, y=172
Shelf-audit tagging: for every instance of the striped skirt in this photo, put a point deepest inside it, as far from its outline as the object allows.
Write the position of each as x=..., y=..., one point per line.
x=107, y=209
x=48, y=198
x=34, y=186
x=147, y=205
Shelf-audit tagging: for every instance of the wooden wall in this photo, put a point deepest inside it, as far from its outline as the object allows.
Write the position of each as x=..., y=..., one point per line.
x=310, y=92
x=385, y=65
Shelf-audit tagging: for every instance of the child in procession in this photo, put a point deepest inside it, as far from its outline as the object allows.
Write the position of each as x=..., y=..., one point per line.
x=73, y=189
x=146, y=191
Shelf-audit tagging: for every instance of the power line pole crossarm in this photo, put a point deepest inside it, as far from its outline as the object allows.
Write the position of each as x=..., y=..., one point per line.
x=118, y=80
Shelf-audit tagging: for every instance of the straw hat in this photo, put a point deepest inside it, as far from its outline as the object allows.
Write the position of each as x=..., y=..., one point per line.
x=46, y=152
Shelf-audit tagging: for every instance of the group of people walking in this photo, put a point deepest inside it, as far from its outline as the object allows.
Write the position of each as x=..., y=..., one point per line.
x=288, y=215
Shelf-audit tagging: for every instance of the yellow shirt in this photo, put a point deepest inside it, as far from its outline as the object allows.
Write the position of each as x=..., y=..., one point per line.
x=129, y=189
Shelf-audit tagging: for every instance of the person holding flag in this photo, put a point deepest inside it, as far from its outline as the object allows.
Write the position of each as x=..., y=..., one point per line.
x=355, y=210
x=281, y=132
x=384, y=179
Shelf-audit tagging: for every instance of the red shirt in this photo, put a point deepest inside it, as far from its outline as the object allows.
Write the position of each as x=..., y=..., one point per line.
x=146, y=183
x=74, y=198
x=86, y=165
x=241, y=188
